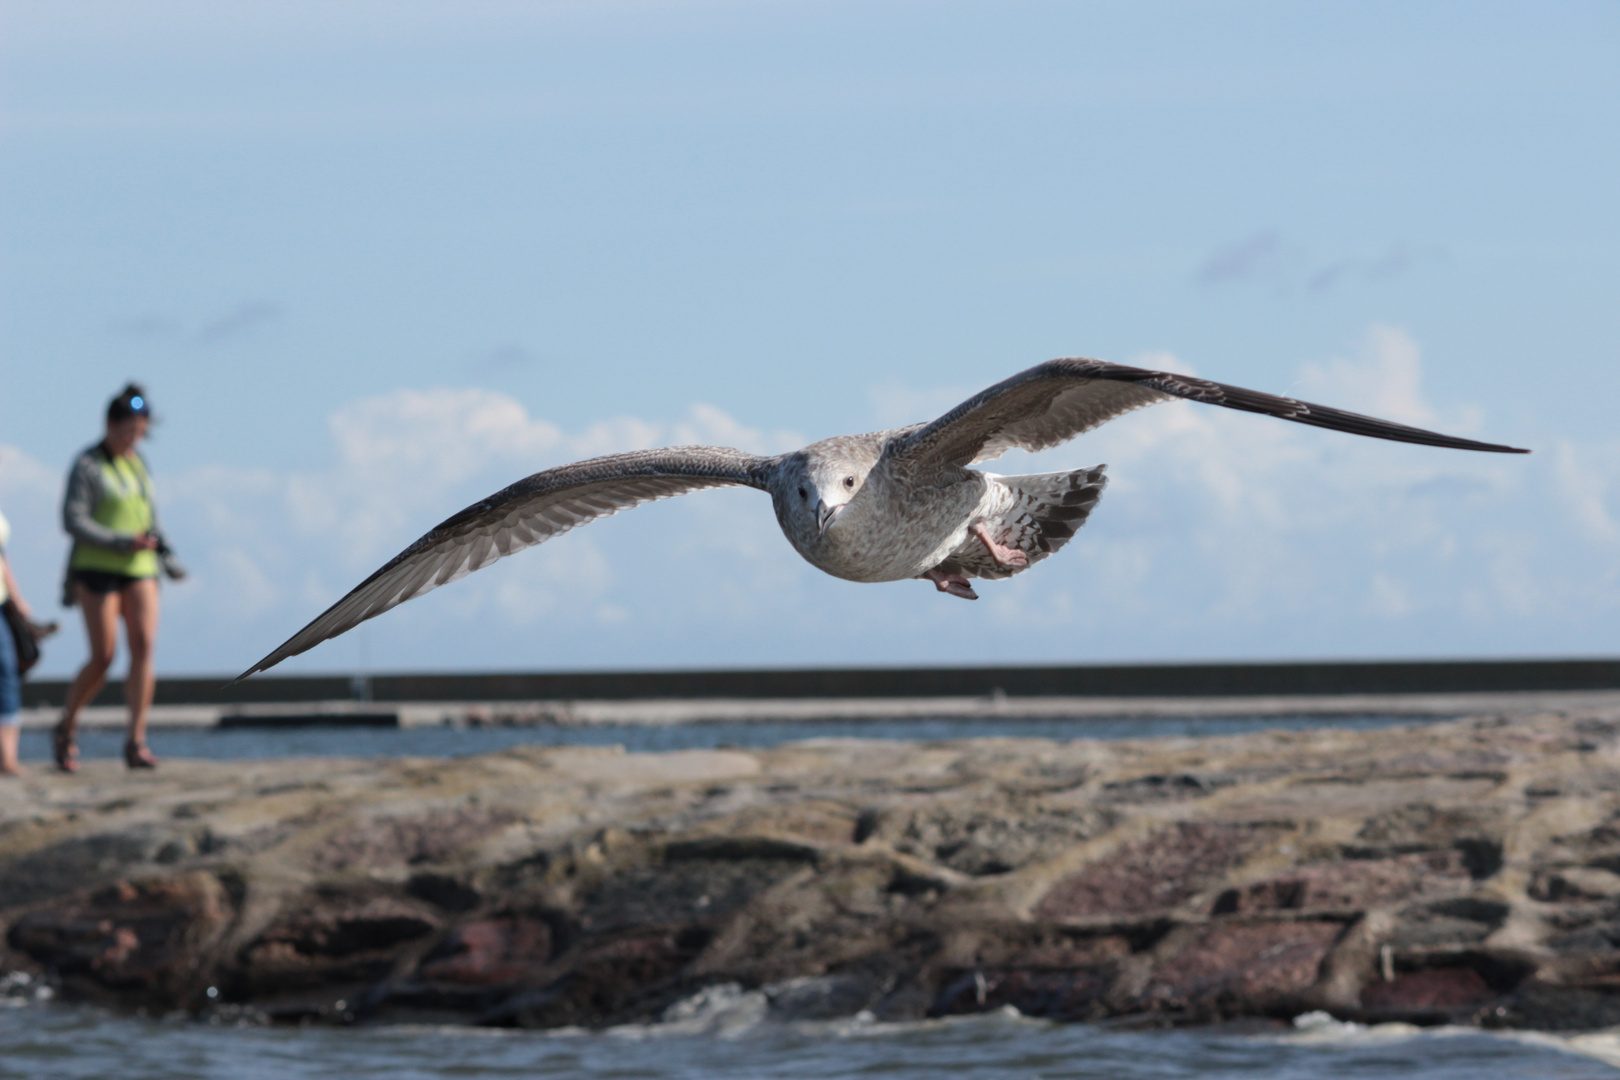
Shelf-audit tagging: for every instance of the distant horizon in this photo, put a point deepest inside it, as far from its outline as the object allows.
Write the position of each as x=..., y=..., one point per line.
x=338, y=673
x=1296, y=678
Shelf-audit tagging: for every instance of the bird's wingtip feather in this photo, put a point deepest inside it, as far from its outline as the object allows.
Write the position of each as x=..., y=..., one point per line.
x=264, y=664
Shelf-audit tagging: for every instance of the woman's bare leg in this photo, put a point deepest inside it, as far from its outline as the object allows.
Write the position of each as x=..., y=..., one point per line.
x=140, y=603
x=101, y=628
x=9, y=734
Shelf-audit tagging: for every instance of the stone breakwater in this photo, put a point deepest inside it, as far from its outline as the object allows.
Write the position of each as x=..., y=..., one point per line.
x=1466, y=872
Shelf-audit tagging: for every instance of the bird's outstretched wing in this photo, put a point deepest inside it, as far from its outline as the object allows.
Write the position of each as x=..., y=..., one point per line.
x=531, y=511
x=1055, y=401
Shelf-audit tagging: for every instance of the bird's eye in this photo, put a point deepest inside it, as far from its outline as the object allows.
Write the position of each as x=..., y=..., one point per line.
x=849, y=481
x=803, y=494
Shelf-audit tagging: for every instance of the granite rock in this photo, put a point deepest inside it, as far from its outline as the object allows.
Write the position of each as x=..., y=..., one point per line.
x=1455, y=872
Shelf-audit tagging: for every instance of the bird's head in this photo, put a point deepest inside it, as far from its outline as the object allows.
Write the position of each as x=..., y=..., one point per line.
x=815, y=484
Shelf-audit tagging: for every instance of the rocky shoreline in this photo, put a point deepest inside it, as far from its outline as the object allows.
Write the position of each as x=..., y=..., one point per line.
x=1457, y=872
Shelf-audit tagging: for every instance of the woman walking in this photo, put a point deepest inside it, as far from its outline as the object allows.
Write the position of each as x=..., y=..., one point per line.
x=118, y=550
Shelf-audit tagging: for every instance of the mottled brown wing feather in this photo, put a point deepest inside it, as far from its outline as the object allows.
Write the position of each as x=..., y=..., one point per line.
x=529, y=512
x=1055, y=401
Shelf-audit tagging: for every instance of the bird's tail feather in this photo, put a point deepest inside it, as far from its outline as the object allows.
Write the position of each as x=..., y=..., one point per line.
x=1058, y=503
x=1046, y=511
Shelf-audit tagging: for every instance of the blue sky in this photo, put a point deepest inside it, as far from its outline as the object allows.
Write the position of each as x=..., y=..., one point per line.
x=374, y=261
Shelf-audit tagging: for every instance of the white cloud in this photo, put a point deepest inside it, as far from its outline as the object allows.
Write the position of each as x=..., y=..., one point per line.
x=1227, y=518
x=574, y=574
x=1589, y=479
x=237, y=579
x=440, y=434
x=30, y=497
x=401, y=454
x=410, y=458
x=616, y=436
x=22, y=476
x=707, y=425
x=1385, y=381
x=1389, y=597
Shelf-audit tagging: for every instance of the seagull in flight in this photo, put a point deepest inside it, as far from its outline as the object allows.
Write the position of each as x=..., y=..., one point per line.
x=885, y=506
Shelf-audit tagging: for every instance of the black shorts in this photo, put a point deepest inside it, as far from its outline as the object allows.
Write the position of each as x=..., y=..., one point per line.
x=103, y=582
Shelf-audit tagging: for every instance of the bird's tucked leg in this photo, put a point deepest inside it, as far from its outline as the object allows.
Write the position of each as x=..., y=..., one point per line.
x=1004, y=555
x=955, y=584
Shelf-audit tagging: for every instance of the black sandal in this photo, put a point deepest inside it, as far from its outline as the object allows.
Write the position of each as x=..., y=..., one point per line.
x=137, y=756
x=65, y=749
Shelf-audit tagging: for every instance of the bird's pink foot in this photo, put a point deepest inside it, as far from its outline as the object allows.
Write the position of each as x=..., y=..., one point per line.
x=955, y=584
x=1005, y=556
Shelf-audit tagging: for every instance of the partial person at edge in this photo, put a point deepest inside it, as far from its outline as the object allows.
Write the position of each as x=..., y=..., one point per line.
x=10, y=667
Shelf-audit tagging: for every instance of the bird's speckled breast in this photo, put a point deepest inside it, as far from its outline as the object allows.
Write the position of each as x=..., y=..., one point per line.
x=893, y=530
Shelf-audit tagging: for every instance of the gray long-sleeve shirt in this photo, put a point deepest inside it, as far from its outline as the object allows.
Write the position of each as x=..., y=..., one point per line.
x=86, y=487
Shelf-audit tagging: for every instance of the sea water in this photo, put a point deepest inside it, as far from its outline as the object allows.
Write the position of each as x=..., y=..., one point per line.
x=724, y=1034
x=452, y=740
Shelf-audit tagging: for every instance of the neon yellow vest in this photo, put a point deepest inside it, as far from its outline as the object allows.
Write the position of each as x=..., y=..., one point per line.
x=125, y=507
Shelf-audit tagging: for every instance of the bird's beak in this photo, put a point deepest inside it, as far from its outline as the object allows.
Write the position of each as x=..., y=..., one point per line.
x=825, y=514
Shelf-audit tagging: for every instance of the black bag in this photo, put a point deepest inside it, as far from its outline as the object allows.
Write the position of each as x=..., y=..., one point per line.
x=23, y=635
